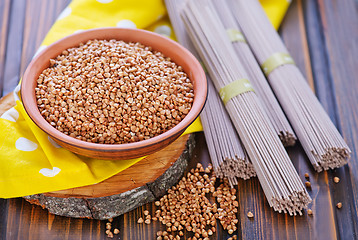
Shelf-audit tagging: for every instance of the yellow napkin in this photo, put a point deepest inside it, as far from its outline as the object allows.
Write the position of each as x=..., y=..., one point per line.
x=30, y=161
x=275, y=10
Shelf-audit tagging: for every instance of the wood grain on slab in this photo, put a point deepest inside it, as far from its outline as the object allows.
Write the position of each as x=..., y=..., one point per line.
x=142, y=183
x=145, y=171
x=139, y=184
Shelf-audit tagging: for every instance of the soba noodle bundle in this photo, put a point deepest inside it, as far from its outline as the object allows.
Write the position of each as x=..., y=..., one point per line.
x=317, y=134
x=227, y=154
x=257, y=78
x=280, y=182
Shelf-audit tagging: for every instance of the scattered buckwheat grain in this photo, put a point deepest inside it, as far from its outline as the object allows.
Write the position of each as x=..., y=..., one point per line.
x=250, y=215
x=187, y=207
x=336, y=179
x=140, y=220
x=309, y=212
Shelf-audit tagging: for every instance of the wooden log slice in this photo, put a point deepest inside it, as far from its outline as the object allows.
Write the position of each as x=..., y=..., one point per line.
x=139, y=184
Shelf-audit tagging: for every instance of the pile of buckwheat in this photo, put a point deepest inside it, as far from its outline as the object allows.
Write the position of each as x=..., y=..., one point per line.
x=113, y=92
x=187, y=207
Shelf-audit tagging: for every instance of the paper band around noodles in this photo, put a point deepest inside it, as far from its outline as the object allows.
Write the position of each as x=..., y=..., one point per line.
x=235, y=35
x=235, y=88
x=276, y=60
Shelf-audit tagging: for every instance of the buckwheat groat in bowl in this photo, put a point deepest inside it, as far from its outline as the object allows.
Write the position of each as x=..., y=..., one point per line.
x=114, y=93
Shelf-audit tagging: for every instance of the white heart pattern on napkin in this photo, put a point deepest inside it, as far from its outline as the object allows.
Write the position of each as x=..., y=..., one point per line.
x=24, y=144
x=50, y=172
x=11, y=115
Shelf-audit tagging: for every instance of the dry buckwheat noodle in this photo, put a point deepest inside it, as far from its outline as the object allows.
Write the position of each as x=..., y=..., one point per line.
x=319, y=137
x=279, y=180
x=227, y=154
x=257, y=78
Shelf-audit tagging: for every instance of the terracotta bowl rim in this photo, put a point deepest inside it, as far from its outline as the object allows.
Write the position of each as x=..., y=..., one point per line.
x=27, y=95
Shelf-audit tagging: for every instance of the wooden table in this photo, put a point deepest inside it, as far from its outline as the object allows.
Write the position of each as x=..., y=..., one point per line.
x=323, y=39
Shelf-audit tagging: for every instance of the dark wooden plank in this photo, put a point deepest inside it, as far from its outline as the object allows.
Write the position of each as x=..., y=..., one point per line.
x=26, y=32
x=37, y=26
x=20, y=220
x=15, y=52
x=14, y=45
x=333, y=41
x=293, y=32
x=3, y=218
x=32, y=28
x=32, y=222
x=268, y=224
x=4, y=16
x=5, y=7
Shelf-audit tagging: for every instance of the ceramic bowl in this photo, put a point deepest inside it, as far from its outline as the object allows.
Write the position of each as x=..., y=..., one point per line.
x=169, y=48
